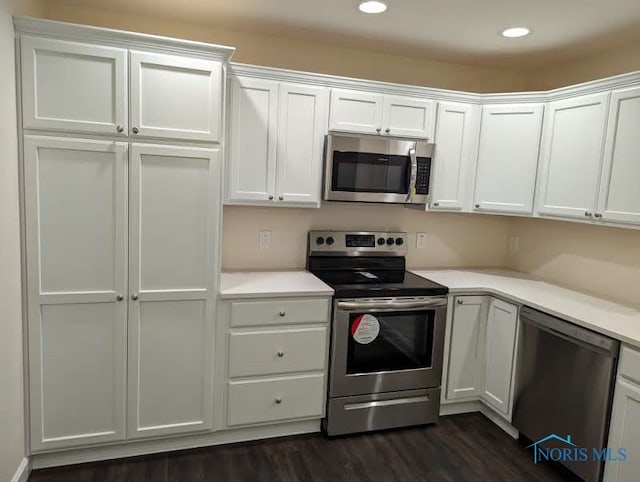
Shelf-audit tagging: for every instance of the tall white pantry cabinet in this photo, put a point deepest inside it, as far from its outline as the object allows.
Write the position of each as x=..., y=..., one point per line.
x=121, y=181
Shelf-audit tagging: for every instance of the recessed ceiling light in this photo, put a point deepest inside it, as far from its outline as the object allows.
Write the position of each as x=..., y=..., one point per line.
x=514, y=32
x=372, y=6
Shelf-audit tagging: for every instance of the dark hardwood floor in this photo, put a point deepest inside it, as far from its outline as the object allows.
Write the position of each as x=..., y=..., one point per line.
x=460, y=448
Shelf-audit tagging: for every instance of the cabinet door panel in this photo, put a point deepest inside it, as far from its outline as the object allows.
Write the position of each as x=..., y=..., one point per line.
x=624, y=433
x=619, y=198
x=173, y=219
x=508, y=158
x=302, y=125
x=353, y=111
x=75, y=204
x=404, y=116
x=572, y=156
x=175, y=97
x=502, y=323
x=465, y=352
x=456, y=144
x=68, y=86
x=253, y=139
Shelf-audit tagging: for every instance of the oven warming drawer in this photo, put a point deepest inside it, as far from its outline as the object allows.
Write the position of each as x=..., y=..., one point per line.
x=363, y=413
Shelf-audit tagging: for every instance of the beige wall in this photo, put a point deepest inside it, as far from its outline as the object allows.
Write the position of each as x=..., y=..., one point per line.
x=294, y=53
x=597, y=259
x=452, y=239
x=11, y=408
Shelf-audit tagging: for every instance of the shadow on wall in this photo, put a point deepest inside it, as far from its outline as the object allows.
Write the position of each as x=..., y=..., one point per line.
x=453, y=240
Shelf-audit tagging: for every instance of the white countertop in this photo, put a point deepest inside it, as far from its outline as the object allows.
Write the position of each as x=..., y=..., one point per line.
x=256, y=284
x=618, y=321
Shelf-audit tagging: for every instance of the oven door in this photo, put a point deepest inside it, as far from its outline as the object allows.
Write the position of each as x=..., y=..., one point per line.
x=385, y=345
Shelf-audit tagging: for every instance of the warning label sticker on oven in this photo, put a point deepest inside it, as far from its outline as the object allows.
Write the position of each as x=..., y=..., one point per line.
x=365, y=329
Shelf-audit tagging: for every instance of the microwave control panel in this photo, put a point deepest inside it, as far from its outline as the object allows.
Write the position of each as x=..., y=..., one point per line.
x=422, y=175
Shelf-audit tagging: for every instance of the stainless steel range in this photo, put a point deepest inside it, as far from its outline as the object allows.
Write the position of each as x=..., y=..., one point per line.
x=387, y=332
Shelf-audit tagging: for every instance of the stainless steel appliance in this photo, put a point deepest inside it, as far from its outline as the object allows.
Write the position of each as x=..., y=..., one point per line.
x=377, y=169
x=565, y=382
x=387, y=333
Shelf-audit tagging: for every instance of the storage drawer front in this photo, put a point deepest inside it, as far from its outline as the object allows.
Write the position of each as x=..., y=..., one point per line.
x=630, y=363
x=279, y=311
x=274, y=352
x=255, y=401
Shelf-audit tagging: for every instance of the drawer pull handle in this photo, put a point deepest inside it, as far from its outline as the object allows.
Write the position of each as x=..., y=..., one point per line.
x=280, y=354
x=278, y=400
x=460, y=301
x=282, y=313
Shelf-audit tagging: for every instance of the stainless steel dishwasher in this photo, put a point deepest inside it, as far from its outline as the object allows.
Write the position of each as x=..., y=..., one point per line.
x=564, y=386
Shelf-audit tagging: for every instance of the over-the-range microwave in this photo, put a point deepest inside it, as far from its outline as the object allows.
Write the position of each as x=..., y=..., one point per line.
x=379, y=169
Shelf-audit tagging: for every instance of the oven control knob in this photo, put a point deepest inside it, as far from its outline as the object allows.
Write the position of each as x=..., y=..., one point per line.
x=329, y=240
x=399, y=241
x=319, y=240
x=380, y=241
x=390, y=241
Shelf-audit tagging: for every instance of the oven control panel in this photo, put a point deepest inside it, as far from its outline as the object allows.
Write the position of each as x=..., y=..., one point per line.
x=372, y=243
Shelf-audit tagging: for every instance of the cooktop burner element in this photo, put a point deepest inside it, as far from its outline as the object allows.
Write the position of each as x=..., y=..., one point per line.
x=366, y=264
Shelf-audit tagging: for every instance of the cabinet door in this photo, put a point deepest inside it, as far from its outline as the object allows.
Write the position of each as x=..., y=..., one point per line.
x=508, y=158
x=253, y=139
x=619, y=199
x=173, y=231
x=624, y=432
x=456, y=144
x=175, y=97
x=404, y=116
x=76, y=232
x=68, y=86
x=500, y=344
x=302, y=125
x=571, y=157
x=354, y=111
x=465, y=347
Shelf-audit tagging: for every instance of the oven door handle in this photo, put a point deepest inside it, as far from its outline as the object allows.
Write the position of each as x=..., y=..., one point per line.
x=414, y=173
x=391, y=305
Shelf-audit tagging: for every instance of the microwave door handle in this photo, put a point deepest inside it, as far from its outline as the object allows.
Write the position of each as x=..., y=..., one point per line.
x=414, y=173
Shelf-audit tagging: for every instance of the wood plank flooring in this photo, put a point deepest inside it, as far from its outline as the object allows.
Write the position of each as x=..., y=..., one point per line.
x=460, y=448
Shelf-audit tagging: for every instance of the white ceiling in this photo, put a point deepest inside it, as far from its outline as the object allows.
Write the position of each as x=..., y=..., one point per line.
x=459, y=30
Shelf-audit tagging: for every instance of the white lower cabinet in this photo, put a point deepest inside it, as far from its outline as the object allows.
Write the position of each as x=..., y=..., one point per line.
x=624, y=431
x=482, y=345
x=277, y=355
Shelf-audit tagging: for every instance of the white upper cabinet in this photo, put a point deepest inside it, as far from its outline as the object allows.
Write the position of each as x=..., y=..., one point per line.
x=404, y=116
x=368, y=113
x=68, y=86
x=276, y=142
x=508, y=158
x=571, y=157
x=76, y=231
x=353, y=111
x=175, y=97
x=172, y=236
x=619, y=198
x=456, y=143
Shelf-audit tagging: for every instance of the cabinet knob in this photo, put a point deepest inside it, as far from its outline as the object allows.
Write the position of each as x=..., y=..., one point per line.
x=281, y=197
x=477, y=206
x=588, y=214
x=135, y=130
x=436, y=204
x=270, y=197
x=120, y=129
x=119, y=297
x=378, y=130
x=282, y=313
x=278, y=400
x=387, y=130
x=280, y=354
x=460, y=301
x=598, y=215
x=134, y=297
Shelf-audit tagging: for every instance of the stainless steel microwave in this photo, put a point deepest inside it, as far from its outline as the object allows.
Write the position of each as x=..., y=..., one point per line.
x=377, y=169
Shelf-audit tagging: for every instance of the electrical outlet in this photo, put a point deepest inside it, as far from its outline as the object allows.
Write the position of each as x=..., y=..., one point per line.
x=421, y=240
x=265, y=239
x=514, y=243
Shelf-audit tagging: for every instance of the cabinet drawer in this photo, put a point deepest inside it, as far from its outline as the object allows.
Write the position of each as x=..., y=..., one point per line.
x=630, y=363
x=273, y=399
x=279, y=311
x=274, y=352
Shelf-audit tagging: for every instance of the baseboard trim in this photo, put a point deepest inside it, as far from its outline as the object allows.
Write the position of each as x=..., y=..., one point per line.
x=499, y=421
x=24, y=469
x=457, y=408
x=460, y=407
x=146, y=447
